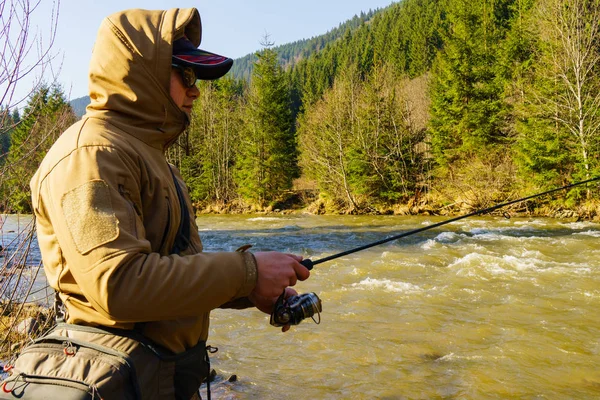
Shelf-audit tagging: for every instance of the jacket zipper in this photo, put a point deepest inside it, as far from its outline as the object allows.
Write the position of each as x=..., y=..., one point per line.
x=183, y=203
x=133, y=209
x=168, y=228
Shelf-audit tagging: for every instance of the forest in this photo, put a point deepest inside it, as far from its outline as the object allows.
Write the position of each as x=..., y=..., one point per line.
x=425, y=106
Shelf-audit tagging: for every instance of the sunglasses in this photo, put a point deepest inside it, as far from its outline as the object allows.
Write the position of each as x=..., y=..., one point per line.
x=187, y=75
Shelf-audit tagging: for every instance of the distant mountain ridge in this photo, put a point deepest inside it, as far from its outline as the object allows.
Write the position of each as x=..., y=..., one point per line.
x=79, y=104
x=291, y=53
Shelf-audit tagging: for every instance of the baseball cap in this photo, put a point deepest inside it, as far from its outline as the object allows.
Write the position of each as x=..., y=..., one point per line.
x=206, y=65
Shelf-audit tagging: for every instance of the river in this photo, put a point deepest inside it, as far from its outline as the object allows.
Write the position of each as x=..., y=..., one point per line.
x=480, y=308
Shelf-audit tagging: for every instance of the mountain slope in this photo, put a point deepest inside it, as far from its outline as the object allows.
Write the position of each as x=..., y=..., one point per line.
x=291, y=53
x=79, y=105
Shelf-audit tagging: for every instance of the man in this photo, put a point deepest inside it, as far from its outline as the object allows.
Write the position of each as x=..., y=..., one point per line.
x=115, y=226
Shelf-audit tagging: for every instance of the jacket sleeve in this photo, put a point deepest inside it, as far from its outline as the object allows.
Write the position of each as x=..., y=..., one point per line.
x=103, y=244
x=238, y=304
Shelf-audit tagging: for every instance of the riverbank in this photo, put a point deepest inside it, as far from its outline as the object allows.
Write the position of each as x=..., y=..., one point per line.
x=589, y=210
x=21, y=322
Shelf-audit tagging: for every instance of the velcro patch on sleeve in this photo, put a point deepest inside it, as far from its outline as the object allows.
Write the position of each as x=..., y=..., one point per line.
x=89, y=215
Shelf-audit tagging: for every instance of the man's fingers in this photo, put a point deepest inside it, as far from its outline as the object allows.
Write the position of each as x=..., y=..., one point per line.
x=295, y=257
x=276, y=271
x=302, y=272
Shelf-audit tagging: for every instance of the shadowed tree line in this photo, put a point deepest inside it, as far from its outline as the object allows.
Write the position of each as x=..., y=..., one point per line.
x=421, y=106
x=455, y=104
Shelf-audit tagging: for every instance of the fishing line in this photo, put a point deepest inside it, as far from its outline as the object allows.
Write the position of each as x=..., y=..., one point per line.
x=309, y=263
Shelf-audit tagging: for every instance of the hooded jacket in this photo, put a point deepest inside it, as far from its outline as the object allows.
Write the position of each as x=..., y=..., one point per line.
x=105, y=201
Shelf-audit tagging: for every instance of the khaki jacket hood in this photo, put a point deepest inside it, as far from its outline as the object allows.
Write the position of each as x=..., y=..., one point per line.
x=130, y=71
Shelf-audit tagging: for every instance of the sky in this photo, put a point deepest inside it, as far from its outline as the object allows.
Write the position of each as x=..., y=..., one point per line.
x=233, y=28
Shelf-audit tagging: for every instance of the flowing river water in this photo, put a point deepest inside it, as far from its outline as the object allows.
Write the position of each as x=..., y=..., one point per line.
x=480, y=308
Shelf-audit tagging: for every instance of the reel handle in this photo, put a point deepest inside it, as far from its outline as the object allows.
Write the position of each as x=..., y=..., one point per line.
x=307, y=262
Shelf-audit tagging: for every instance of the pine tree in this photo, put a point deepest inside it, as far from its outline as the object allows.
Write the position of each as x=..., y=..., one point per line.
x=539, y=151
x=267, y=163
x=8, y=122
x=467, y=102
x=46, y=115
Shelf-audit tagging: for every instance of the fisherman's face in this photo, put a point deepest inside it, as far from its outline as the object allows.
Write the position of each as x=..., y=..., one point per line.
x=182, y=95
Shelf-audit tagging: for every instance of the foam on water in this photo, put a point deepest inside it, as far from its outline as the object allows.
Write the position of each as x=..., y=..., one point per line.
x=455, y=357
x=484, y=266
x=535, y=254
x=387, y=285
x=429, y=244
x=521, y=264
x=504, y=234
x=580, y=225
x=534, y=222
x=594, y=295
x=255, y=219
x=445, y=238
x=568, y=269
x=477, y=265
x=500, y=229
x=469, y=260
x=448, y=237
x=588, y=233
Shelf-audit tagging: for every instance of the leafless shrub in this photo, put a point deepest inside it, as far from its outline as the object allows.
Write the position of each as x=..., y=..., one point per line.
x=25, y=59
x=25, y=54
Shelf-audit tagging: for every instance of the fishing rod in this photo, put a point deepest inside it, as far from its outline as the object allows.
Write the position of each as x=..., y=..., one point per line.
x=308, y=263
x=292, y=310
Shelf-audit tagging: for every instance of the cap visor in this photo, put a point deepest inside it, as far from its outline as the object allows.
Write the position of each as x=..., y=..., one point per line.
x=207, y=65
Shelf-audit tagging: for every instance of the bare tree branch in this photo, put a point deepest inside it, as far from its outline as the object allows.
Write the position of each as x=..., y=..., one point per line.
x=23, y=55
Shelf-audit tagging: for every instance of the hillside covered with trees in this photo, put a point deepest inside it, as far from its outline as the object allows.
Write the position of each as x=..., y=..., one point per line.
x=424, y=106
x=26, y=137
x=290, y=53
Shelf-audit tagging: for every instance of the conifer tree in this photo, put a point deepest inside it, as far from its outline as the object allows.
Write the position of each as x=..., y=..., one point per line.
x=539, y=151
x=45, y=117
x=8, y=121
x=467, y=101
x=267, y=162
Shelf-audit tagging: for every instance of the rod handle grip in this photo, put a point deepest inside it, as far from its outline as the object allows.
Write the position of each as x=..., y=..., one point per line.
x=307, y=262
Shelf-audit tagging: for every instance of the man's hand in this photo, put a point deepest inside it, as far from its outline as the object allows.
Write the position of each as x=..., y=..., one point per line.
x=266, y=304
x=277, y=271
